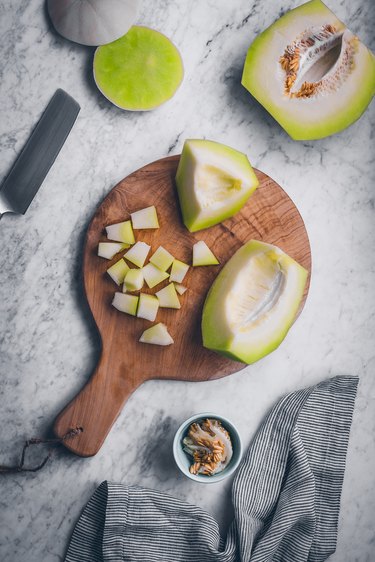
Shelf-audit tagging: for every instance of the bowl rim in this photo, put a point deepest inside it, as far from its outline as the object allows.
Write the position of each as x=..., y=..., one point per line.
x=232, y=466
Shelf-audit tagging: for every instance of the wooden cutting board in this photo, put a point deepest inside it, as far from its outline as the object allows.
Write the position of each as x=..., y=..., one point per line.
x=269, y=215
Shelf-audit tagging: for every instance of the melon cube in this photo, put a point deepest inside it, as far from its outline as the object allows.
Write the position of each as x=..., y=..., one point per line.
x=133, y=280
x=145, y=218
x=118, y=270
x=168, y=297
x=125, y=303
x=153, y=276
x=108, y=250
x=148, y=307
x=162, y=259
x=178, y=271
x=138, y=253
x=121, y=232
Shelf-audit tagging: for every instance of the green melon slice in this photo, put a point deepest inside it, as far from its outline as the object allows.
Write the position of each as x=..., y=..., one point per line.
x=214, y=181
x=139, y=71
x=252, y=302
x=310, y=72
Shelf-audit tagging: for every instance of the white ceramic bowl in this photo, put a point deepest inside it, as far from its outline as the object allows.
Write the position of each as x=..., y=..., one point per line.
x=183, y=460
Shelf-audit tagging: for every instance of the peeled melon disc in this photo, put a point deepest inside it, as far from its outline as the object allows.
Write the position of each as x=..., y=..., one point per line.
x=139, y=71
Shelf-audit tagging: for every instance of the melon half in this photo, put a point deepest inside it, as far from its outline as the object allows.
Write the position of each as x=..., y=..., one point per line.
x=310, y=72
x=253, y=302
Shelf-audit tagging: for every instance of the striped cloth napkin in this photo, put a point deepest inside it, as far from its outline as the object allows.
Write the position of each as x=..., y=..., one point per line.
x=286, y=496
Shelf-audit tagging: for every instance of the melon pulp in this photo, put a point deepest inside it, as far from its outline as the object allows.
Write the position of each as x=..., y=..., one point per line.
x=157, y=335
x=310, y=72
x=214, y=181
x=139, y=71
x=252, y=302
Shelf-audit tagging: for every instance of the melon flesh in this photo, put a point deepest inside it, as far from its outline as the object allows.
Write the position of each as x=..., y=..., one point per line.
x=125, y=303
x=202, y=255
x=118, y=271
x=310, y=72
x=178, y=271
x=145, y=218
x=138, y=253
x=133, y=280
x=157, y=335
x=121, y=232
x=214, y=181
x=252, y=302
x=153, y=275
x=181, y=289
x=108, y=250
x=139, y=71
x=168, y=297
x=147, y=307
x=162, y=259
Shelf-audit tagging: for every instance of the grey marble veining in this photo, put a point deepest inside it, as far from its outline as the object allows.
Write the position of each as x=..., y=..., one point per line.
x=48, y=344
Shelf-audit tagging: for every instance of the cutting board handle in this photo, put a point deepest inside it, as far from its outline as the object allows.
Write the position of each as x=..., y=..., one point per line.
x=96, y=406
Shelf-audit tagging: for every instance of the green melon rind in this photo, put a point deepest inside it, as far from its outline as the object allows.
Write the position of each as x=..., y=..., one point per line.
x=101, y=58
x=219, y=337
x=302, y=131
x=187, y=209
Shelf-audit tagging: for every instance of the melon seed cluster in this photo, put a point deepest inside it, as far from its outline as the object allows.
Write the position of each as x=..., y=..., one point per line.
x=161, y=265
x=210, y=446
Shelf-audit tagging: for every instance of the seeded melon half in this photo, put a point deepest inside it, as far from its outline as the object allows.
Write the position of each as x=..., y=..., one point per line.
x=139, y=71
x=310, y=72
x=252, y=302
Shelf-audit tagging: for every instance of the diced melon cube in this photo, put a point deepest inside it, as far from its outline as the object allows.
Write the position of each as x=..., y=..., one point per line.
x=181, y=289
x=145, y=218
x=168, y=297
x=153, y=276
x=157, y=335
x=134, y=280
x=148, y=307
x=121, y=232
x=202, y=255
x=162, y=259
x=109, y=249
x=118, y=270
x=178, y=271
x=138, y=253
x=125, y=303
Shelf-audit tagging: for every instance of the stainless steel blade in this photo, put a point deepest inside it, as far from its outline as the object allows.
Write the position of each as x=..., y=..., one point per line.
x=38, y=154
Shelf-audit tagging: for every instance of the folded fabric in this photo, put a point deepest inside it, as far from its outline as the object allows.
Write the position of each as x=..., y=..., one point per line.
x=286, y=496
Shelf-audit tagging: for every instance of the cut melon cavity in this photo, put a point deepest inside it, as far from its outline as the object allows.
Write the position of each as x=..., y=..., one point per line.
x=310, y=72
x=253, y=302
x=157, y=335
x=214, y=181
x=139, y=71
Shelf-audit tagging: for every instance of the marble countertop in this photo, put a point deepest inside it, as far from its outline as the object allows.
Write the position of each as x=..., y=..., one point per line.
x=48, y=343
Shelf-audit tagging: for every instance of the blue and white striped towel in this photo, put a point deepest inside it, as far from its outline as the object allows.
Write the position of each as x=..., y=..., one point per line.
x=286, y=496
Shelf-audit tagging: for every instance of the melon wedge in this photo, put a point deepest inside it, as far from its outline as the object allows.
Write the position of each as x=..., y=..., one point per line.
x=252, y=302
x=214, y=181
x=168, y=297
x=157, y=335
x=202, y=255
x=310, y=72
x=121, y=232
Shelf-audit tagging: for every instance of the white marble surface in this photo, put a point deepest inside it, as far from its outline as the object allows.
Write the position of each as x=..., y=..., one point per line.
x=48, y=344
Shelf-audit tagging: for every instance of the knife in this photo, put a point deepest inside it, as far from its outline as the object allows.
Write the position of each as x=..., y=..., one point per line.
x=38, y=154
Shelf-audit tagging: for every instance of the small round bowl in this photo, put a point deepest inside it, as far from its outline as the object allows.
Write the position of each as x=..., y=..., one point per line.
x=183, y=460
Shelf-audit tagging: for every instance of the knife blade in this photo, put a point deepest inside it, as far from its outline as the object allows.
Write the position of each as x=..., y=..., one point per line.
x=39, y=153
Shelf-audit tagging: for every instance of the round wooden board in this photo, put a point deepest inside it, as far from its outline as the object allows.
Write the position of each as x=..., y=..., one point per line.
x=269, y=215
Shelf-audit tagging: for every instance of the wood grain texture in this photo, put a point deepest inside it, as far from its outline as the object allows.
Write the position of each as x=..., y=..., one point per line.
x=269, y=215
